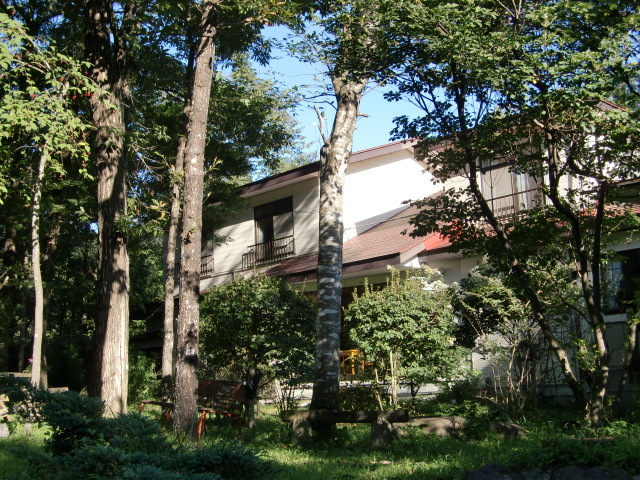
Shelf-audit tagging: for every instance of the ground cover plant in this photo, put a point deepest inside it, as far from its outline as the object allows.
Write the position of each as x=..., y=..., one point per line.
x=71, y=442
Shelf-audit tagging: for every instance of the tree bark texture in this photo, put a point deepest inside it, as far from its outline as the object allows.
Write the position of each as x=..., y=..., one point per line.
x=186, y=381
x=168, y=343
x=38, y=289
x=334, y=159
x=106, y=51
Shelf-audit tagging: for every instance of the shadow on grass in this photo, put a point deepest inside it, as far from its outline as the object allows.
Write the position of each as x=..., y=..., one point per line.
x=21, y=457
x=427, y=457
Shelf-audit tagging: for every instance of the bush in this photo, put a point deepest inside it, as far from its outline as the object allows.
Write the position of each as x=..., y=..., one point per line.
x=25, y=401
x=229, y=462
x=362, y=397
x=74, y=419
x=144, y=380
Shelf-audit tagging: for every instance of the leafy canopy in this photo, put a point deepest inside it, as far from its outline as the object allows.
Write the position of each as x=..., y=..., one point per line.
x=411, y=318
x=257, y=323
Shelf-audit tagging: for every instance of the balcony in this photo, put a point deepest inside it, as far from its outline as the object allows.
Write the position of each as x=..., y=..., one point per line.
x=206, y=268
x=268, y=252
x=510, y=205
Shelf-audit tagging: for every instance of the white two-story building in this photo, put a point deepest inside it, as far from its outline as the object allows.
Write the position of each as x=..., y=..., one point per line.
x=276, y=233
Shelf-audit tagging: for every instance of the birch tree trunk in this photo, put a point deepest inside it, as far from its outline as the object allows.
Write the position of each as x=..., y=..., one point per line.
x=186, y=381
x=334, y=159
x=38, y=317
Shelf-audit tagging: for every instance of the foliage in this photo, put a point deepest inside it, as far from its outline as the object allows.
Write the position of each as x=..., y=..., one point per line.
x=37, y=102
x=550, y=443
x=257, y=323
x=41, y=91
x=407, y=329
x=363, y=397
x=464, y=398
x=84, y=443
x=24, y=400
x=501, y=327
x=144, y=381
x=520, y=91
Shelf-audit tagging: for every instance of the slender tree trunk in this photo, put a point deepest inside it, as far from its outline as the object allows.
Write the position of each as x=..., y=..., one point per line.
x=48, y=271
x=588, y=267
x=169, y=277
x=334, y=158
x=38, y=317
x=105, y=46
x=186, y=381
x=394, y=379
x=516, y=265
x=168, y=343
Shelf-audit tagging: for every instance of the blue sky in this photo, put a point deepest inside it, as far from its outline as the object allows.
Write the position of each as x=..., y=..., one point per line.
x=371, y=131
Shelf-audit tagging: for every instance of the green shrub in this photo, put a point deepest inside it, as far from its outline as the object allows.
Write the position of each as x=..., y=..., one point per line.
x=74, y=419
x=144, y=380
x=25, y=401
x=362, y=397
x=231, y=462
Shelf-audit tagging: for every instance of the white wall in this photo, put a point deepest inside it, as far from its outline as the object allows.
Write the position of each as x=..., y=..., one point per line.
x=377, y=187
x=240, y=229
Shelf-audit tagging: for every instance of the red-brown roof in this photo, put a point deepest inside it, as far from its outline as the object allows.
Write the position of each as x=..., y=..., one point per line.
x=388, y=243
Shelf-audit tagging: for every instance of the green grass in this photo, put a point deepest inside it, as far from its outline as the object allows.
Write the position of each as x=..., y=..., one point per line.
x=414, y=456
x=349, y=456
x=22, y=455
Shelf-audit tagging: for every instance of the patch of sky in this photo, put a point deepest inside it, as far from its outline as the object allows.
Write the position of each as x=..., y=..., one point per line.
x=376, y=121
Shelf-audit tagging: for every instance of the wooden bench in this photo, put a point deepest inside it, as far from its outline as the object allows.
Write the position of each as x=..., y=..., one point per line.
x=302, y=422
x=222, y=398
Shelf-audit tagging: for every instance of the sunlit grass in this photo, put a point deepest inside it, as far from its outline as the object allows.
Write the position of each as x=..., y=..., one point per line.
x=22, y=454
x=348, y=454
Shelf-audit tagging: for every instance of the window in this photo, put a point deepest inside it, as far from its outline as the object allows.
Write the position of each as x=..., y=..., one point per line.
x=621, y=281
x=273, y=233
x=274, y=220
x=206, y=254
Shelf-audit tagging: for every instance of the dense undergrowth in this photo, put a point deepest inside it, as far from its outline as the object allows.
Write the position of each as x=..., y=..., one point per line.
x=69, y=439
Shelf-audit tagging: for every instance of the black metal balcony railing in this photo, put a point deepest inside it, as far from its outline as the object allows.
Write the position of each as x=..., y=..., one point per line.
x=268, y=252
x=516, y=203
x=206, y=268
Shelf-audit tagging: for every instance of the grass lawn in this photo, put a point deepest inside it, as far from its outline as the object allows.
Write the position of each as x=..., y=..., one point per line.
x=419, y=456
x=348, y=455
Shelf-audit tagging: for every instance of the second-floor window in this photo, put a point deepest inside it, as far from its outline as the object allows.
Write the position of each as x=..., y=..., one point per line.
x=621, y=281
x=274, y=220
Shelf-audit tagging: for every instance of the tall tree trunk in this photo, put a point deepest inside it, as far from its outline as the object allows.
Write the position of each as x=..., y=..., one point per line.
x=169, y=277
x=334, y=158
x=48, y=271
x=38, y=317
x=186, y=381
x=168, y=339
x=105, y=47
